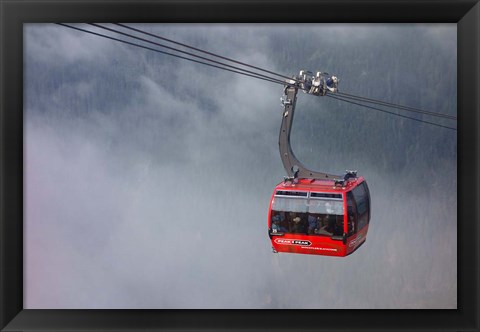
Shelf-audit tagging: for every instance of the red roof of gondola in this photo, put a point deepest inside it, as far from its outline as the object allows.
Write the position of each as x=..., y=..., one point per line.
x=319, y=185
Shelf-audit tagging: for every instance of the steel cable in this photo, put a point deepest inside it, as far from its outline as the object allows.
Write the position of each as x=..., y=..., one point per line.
x=374, y=101
x=342, y=96
x=383, y=103
x=396, y=114
x=171, y=54
x=187, y=53
x=203, y=51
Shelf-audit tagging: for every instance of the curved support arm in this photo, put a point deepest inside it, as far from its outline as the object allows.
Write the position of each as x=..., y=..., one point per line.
x=295, y=169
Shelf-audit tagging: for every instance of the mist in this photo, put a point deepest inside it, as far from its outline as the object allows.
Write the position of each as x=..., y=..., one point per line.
x=148, y=178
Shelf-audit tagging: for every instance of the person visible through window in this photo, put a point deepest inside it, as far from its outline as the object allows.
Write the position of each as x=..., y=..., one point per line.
x=322, y=226
x=277, y=227
x=351, y=225
x=312, y=224
x=298, y=225
x=338, y=226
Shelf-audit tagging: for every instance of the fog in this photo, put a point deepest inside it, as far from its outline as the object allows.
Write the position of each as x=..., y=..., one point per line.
x=148, y=178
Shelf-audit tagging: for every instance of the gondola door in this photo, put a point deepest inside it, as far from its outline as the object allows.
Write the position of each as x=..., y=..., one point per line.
x=358, y=216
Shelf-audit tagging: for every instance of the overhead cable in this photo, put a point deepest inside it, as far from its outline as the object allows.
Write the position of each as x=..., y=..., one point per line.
x=220, y=65
x=184, y=52
x=202, y=51
x=379, y=102
x=171, y=54
x=392, y=113
x=411, y=109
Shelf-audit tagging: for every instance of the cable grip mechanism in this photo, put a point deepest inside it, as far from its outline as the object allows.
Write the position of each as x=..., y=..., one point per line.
x=319, y=84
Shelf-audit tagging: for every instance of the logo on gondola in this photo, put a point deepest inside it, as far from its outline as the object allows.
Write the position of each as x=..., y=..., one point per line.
x=292, y=242
x=355, y=241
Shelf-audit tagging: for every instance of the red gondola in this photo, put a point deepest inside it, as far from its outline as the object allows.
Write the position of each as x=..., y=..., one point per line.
x=317, y=217
x=312, y=212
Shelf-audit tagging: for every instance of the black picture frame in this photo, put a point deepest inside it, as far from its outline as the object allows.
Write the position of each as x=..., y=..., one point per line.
x=466, y=13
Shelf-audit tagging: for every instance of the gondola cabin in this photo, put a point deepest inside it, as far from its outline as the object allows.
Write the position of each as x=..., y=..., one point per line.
x=318, y=217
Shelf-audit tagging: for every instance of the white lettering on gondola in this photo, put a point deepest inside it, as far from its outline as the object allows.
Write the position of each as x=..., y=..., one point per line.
x=293, y=242
x=320, y=248
x=355, y=241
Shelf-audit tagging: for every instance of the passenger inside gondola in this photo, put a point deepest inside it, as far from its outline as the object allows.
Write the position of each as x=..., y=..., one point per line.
x=312, y=224
x=298, y=226
x=308, y=223
x=278, y=223
x=351, y=224
x=322, y=228
x=338, y=226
